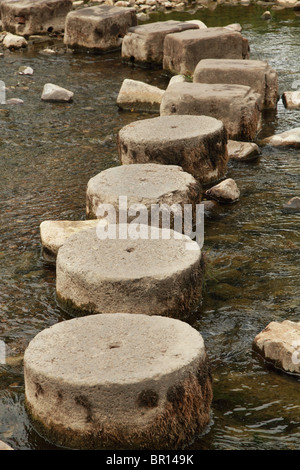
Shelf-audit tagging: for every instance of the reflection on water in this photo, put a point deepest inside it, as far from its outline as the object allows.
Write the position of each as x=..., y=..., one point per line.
x=48, y=152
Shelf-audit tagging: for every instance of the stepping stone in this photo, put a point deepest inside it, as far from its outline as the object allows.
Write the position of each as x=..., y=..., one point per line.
x=196, y=143
x=26, y=17
x=289, y=138
x=238, y=106
x=256, y=74
x=147, y=184
x=279, y=343
x=54, y=233
x=99, y=28
x=242, y=151
x=144, y=44
x=118, y=381
x=291, y=99
x=183, y=51
x=139, y=96
x=224, y=192
x=126, y=267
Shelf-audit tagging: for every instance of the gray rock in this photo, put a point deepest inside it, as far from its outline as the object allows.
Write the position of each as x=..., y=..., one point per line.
x=55, y=93
x=145, y=43
x=11, y=41
x=234, y=27
x=177, y=79
x=242, y=151
x=135, y=377
x=293, y=204
x=100, y=28
x=279, y=343
x=256, y=74
x=139, y=96
x=289, y=138
x=291, y=99
x=238, y=106
x=196, y=143
x=28, y=17
x=4, y=446
x=183, y=51
x=224, y=192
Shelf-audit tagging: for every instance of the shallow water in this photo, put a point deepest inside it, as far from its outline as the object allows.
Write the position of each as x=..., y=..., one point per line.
x=48, y=152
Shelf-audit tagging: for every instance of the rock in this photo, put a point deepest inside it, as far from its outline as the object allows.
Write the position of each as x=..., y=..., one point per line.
x=234, y=27
x=100, y=28
x=48, y=51
x=177, y=79
x=289, y=138
x=144, y=44
x=4, y=446
x=54, y=233
x=199, y=23
x=266, y=15
x=238, y=106
x=242, y=151
x=134, y=377
x=291, y=99
x=196, y=143
x=14, y=101
x=293, y=204
x=139, y=96
x=256, y=74
x=106, y=270
x=279, y=343
x=286, y=3
x=28, y=17
x=296, y=7
x=149, y=185
x=11, y=41
x=25, y=70
x=224, y=192
x=55, y=93
x=183, y=51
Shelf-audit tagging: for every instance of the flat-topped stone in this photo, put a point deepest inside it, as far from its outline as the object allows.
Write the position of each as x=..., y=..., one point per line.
x=54, y=233
x=279, y=343
x=26, y=17
x=118, y=381
x=100, y=28
x=237, y=106
x=290, y=138
x=146, y=184
x=127, y=267
x=145, y=43
x=183, y=51
x=139, y=96
x=256, y=74
x=196, y=143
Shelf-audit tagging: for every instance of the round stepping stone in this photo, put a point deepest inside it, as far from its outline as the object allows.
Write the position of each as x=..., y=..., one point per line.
x=161, y=276
x=196, y=143
x=118, y=381
x=146, y=184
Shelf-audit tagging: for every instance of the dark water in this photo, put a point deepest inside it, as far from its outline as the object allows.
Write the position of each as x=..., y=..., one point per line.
x=48, y=152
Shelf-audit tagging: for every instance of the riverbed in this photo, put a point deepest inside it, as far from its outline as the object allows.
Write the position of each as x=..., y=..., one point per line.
x=48, y=152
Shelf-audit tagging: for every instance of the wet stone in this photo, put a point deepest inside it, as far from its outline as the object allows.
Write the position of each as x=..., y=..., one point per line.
x=139, y=96
x=131, y=381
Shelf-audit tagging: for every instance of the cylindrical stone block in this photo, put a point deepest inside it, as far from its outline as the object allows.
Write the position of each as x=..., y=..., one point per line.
x=148, y=185
x=118, y=381
x=160, y=276
x=196, y=143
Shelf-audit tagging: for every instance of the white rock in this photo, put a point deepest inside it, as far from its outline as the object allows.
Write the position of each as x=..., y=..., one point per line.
x=289, y=138
x=242, y=150
x=12, y=41
x=291, y=99
x=199, y=23
x=55, y=93
x=25, y=70
x=14, y=101
x=177, y=79
x=226, y=191
x=139, y=96
x=234, y=27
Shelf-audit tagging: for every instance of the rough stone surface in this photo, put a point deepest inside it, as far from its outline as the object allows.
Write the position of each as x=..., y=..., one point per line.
x=163, y=276
x=256, y=74
x=4, y=446
x=54, y=233
x=139, y=96
x=145, y=43
x=118, y=381
x=289, y=138
x=11, y=41
x=291, y=99
x=183, y=51
x=279, y=343
x=146, y=184
x=237, y=106
x=224, y=192
x=100, y=28
x=177, y=79
x=27, y=17
x=55, y=93
x=293, y=204
x=242, y=151
x=196, y=143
